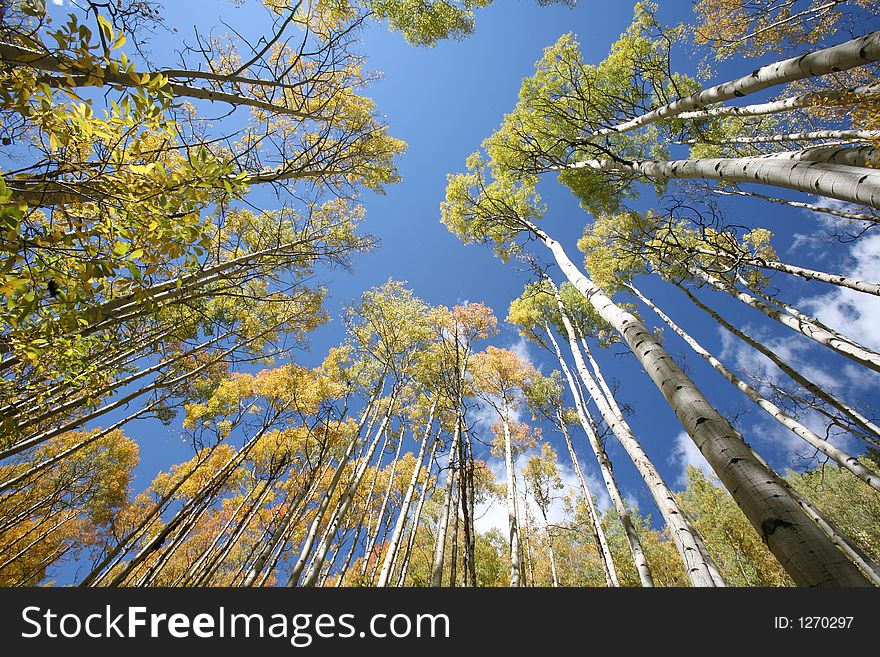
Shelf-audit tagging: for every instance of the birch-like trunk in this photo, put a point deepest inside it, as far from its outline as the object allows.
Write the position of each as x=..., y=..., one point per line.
x=843, y=214
x=813, y=135
x=371, y=542
x=522, y=520
x=841, y=57
x=193, y=506
x=858, y=418
x=605, y=558
x=698, y=570
x=312, y=534
x=345, y=502
x=802, y=324
x=391, y=552
x=513, y=526
x=802, y=549
x=803, y=272
x=605, y=468
x=843, y=459
x=838, y=181
x=404, y=568
x=443, y=526
x=813, y=99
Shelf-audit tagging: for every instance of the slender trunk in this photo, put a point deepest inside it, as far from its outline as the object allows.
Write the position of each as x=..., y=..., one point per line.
x=39, y=467
x=841, y=57
x=100, y=571
x=440, y=543
x=844, y=214
x=280, y=536
x=810, y=437
x=331, y=489
x=801, y=324
x=453, y=557
x=683, y=533
x=48, y=434
x=607, y=471
x=513, y=525
x=824, y=98
x=193, y=506
x=806, y=553
x=803, y=272
x=796, y=376
x=522, y=520
x=856, y=135
x=553, y=572
x=347, y=497
x=605, y=558
x=465, y=498
x=470, y=511
x=371, y=544
x=838, y=181
x=404, y=568
x=391, y=553
x=348, y=557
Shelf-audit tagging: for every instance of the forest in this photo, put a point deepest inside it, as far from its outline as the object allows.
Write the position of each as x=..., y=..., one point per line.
x=439, y=293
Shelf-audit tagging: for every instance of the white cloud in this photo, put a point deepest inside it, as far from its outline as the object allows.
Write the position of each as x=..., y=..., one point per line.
x=816, y=240
x=855, y=314
x=522, y=348
x=493, y=515
x=795, y=352
x=685, y=453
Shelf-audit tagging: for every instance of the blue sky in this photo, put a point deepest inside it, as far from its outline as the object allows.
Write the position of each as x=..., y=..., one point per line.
x=443, y=102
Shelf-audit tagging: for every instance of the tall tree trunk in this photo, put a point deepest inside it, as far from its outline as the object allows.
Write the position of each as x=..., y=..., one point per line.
x=841, y=57
x=404, y=568
x=345, y=502
x=605, y=558
x=371, y=543
x=844, y=214
x=683, y=533
x=826, y=97
x=803, y=272
x=802, y=549
x=801, y=324
x=331, y=488
x=440, y=543
x=391, y=552
x=512, y=524
x=635, y=545
x=810, y=437
x=860, y=420
x=838, y=181
x=813, y=135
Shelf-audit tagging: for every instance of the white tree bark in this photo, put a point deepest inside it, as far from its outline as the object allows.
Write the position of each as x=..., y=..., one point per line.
x=838, y=181
x=839, y=343
x=843, y=459
x=348, y=496
x=814, y=99
x=821, y=62
x=608, y=568
x=443, y=527
x=803, y=549
x=414, y=526
x=512, y=519
x=855, y=216
x=795, y=270
x=814, y=135
x=331, y=489
x=698, y=570
x=391, y=552
x=796, y=376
